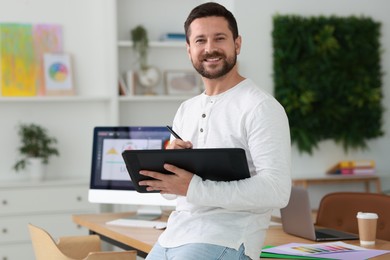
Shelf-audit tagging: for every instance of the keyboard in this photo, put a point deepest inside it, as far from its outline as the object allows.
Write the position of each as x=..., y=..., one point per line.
x=322, y=234
x=138, y=223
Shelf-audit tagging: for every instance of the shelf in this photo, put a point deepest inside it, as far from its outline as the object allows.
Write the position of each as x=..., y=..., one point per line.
x=53, y=99
x=153, y=98
x=26, y=183
x=159, y=44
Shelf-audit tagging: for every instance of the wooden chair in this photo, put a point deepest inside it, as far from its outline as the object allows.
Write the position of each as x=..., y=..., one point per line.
x=72, y=248
x=338, y=210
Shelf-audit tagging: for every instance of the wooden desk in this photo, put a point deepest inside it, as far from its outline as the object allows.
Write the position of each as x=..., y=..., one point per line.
x=336, y=179
x=142, y=239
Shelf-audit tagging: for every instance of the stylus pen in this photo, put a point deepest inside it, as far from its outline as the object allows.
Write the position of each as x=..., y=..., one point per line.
x=173, y=133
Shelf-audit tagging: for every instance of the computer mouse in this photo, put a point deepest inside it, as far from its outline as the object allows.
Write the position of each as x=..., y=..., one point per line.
x=160, y=226
x=169, y=196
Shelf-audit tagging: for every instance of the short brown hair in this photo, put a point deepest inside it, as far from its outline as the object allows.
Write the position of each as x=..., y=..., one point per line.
x=211, y=9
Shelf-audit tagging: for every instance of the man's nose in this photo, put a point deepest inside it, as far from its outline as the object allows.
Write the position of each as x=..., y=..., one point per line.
x=210, y=47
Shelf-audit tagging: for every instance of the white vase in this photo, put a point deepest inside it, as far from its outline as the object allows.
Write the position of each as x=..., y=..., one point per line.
x=36, y=169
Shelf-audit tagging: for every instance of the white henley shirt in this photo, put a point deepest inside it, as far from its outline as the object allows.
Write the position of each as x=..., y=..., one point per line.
x=237, y=212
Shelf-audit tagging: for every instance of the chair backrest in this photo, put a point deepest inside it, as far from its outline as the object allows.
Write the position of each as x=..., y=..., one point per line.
x=44, y=246
x=338, y=210
x=72, y=248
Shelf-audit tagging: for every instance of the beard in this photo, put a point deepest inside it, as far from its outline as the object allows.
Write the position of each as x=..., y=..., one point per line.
x=227, y=65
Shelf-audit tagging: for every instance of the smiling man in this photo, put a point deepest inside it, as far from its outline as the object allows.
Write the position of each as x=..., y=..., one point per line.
x=223, y=220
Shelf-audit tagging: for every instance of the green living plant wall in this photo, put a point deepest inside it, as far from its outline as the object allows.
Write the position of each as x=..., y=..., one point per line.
x=327, y=75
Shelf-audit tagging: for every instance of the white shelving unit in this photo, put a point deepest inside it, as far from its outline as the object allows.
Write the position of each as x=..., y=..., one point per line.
x=100, y=48
x=165, y=55
x=69, y=118
x=53, y=99
x=97, y=60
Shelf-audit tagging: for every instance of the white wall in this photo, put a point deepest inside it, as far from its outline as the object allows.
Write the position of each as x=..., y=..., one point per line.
x=255, y=25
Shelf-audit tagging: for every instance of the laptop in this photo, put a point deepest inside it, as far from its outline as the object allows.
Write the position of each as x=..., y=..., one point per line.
x=297, y=220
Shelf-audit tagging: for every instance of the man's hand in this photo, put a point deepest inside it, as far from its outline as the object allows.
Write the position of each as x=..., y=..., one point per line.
x=179, y=144
x=176, y=183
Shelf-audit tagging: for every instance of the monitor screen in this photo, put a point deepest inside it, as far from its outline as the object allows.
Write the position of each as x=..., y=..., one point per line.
x=110, y=181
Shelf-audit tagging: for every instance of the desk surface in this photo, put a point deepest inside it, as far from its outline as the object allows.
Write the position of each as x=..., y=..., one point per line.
x=142, y=239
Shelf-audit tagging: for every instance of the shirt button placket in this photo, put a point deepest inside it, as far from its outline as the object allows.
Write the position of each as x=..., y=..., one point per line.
x=203, y=121
x=203, y=117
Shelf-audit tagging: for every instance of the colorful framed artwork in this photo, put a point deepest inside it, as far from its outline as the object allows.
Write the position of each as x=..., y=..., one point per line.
x=58, y=74
x=21, y=56
x=181, y=82
x=47, y=39
x=17, y=63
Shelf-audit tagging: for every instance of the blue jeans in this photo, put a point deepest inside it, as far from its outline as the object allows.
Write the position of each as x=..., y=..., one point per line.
x=196, y=251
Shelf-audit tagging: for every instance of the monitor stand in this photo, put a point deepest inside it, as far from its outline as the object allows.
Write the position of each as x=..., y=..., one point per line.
x=146, y=216
x=147, y=213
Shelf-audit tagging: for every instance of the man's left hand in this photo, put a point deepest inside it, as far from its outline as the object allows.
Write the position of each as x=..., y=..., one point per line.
x=176, y=183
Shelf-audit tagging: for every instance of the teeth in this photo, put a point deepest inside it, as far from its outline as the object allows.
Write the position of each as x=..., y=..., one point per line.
x=214, y=59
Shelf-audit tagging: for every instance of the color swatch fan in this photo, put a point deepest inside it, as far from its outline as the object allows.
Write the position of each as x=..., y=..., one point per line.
x=58, y=74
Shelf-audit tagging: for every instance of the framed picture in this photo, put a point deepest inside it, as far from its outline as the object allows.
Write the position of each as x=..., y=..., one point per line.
x=181, y=82
x=58, y=74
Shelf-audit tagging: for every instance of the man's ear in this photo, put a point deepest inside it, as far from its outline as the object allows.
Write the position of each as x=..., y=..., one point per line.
x=237, y=44
x=188, y=50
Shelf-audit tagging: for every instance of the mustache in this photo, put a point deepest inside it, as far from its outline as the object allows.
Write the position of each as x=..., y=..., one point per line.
x=214, y=54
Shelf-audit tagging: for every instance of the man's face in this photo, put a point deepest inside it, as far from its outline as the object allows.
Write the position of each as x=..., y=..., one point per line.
x=212, y=49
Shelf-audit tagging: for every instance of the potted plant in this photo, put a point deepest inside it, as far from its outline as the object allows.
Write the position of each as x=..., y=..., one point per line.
x=148, y=76
x=139, y=35
x=36, y=148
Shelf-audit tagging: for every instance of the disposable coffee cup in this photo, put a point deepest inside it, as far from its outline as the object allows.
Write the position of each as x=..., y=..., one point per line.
x=367, y=223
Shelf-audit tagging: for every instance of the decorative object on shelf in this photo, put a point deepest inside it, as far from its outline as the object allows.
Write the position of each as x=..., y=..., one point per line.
x=36, y=149
x=139, y=35
x=148, y=79
x=327, y=75
x=148, y=76
x=58, y=74
x=353, y=167
x=182, y=82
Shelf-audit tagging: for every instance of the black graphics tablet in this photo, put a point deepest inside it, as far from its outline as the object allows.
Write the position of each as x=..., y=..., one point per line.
x=217, y=164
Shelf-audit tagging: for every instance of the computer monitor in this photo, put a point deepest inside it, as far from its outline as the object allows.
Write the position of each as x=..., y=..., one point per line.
x=110, y=182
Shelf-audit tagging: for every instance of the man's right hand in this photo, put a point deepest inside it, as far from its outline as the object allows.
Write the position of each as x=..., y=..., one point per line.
x=179, y=144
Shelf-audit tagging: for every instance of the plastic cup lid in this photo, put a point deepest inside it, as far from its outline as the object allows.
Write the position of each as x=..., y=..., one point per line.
x=367, y=215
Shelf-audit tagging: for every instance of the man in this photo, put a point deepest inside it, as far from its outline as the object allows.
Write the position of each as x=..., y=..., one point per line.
x=223, y=220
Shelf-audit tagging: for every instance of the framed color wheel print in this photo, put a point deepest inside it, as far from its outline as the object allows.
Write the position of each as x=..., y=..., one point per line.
x=58, y=74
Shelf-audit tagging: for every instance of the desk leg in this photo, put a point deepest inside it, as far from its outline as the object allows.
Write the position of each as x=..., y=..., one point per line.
x=302, y=183
x=378, y=186
x=119, y=244
x=367, y=186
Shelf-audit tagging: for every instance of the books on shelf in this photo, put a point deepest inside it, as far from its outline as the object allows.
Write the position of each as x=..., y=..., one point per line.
x=122, y=86
x=353, y=167
x=126, y=83
x=173, y=37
